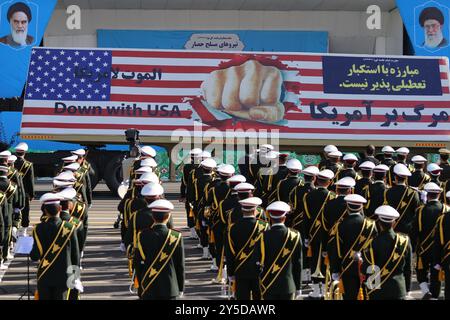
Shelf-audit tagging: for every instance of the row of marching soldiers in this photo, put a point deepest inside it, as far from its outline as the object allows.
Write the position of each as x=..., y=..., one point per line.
x=60, y=236
x=354, y=225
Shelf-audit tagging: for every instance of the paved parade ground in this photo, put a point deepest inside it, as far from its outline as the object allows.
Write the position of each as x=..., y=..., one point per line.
x=105, y=272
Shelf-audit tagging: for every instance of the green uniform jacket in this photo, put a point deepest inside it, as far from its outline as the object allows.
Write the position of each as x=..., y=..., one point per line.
x=28, y=178
x=360, y=184
x=45, y=233
x=399, y=283
x=170, y=281
x=411, y=202
x=290, y=278
x=333, y=211
x=441, y=246
x=418, y=179
x=374, y=194
x=284, y=188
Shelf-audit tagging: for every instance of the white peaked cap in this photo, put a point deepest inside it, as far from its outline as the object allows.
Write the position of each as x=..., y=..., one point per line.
x=50, y=198
x=401, y=170
x=5, y=154
x=147, y=151
x=330, y=148
x=244, y=187
x=355, y=199
x=418, y=159
x=226, y=169
x=387, y=149
x=278, y=209
x=195, y=152
x=350, y=156
x=326, y=174
x=161, y=205
x=238, y=178
x=387, y=213
x=209, y=163
x=251, y=202
x=12, y=159
x=143, y=170
x=381, y=168
x=335, y=154
x=205, y=154
x=71, y=158
x=432, y=187
x=402, y=150
x=22, y=146
x=294, y=165
x=434, y=169
x=367, y=165
x=311, y=171
x=148, y=162
x=148, y=178
x=152, y=189
x=348, y=182
x=73, y=166
x=66, y=176
x=79, y=152
x=68, y=193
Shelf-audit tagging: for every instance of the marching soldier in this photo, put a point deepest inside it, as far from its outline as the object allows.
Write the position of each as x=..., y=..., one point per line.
x=15, y=177
x=296, y=216
x=402, y=154
x=388, y=151
x=56, y=248
x=145, y=152
x=199, y=195
x=85, y=171
x=370, y=155
x=198, y=171
x=244, y=191
x=422, y=237
x=434, y=170
x=265, y=175
x=334, y=161
x=26, y=170
x=404, y=199
x=392, y=253
x=314, y=204
x=284, y=187
x=325, y=162
x=281, y=173
x=281, y=257
x=186, y=183
x=216, y=193
x=227, y=205
x=441, y=250
x=418, y=178
x=366, y=176
x=444, y=163
x=374, y=193
x=348, y=238
x=336, y=208
x=259, y=160
x=159, y=257
x=242, y=254
x=348, y=170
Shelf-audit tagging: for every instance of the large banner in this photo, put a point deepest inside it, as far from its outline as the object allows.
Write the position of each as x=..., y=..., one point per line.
x=428, y=25
x=98, y=93
x=22, y=26
x=223, y=40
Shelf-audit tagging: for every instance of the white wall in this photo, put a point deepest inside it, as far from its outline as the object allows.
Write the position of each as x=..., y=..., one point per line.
x=347, y=29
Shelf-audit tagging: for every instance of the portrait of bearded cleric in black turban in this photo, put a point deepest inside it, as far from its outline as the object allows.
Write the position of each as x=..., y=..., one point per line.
x=19, y=17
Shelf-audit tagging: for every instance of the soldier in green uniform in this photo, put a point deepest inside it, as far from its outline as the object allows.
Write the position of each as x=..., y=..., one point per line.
x=441, y=249
x=278, y=175
x=159, y=257
x=325, y=162
x=281, y=257
x=286, y=186
x=86, y=172
x=388, y=152
x=444, y=163
x=348, y=238
x=266, y=173
x=56, y=248
x=187, y=183
x=418, y=178
x=244, y=190
x=403, y=198
x=348, y=170
x=227, y=205
x=422, y=238
x=26, y=170
x=15, y=177
x=218, y=190
x=435, y=171
x=242, y=251
x=199, y=195
x=387, y=260
x=335, y=163
x=374, y=193
x=314, y=204
x=259, y=160
x=145, y=152
x=366, y=176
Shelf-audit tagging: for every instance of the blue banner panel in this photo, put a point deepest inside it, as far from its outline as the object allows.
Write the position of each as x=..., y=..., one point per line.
x=232, y=40
x=22, y=26
x=427, y=24
x=383, y=76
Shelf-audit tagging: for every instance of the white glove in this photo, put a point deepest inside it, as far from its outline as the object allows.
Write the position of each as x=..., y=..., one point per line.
x=324, y=254
x=231, y=279
x=16, y=210
x=181, y=294
x=14, y=232
x=78, y=285
x=437, y=267
x=298, y=294
x=306, y=243
x=335, y=276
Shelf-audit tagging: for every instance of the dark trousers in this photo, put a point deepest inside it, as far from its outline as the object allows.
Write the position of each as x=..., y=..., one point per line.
x=247, y=288
x=317, y=263
x=202, y=230
x=26, y=212
x=447, y=282
x=6, y=241
x=218, y=243
x=422, y=276
x=51, y=293
x=284, y=296
x=190, y=220
x=351, y=283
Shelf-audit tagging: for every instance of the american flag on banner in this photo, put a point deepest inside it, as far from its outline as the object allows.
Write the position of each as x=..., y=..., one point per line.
x=72, y=93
